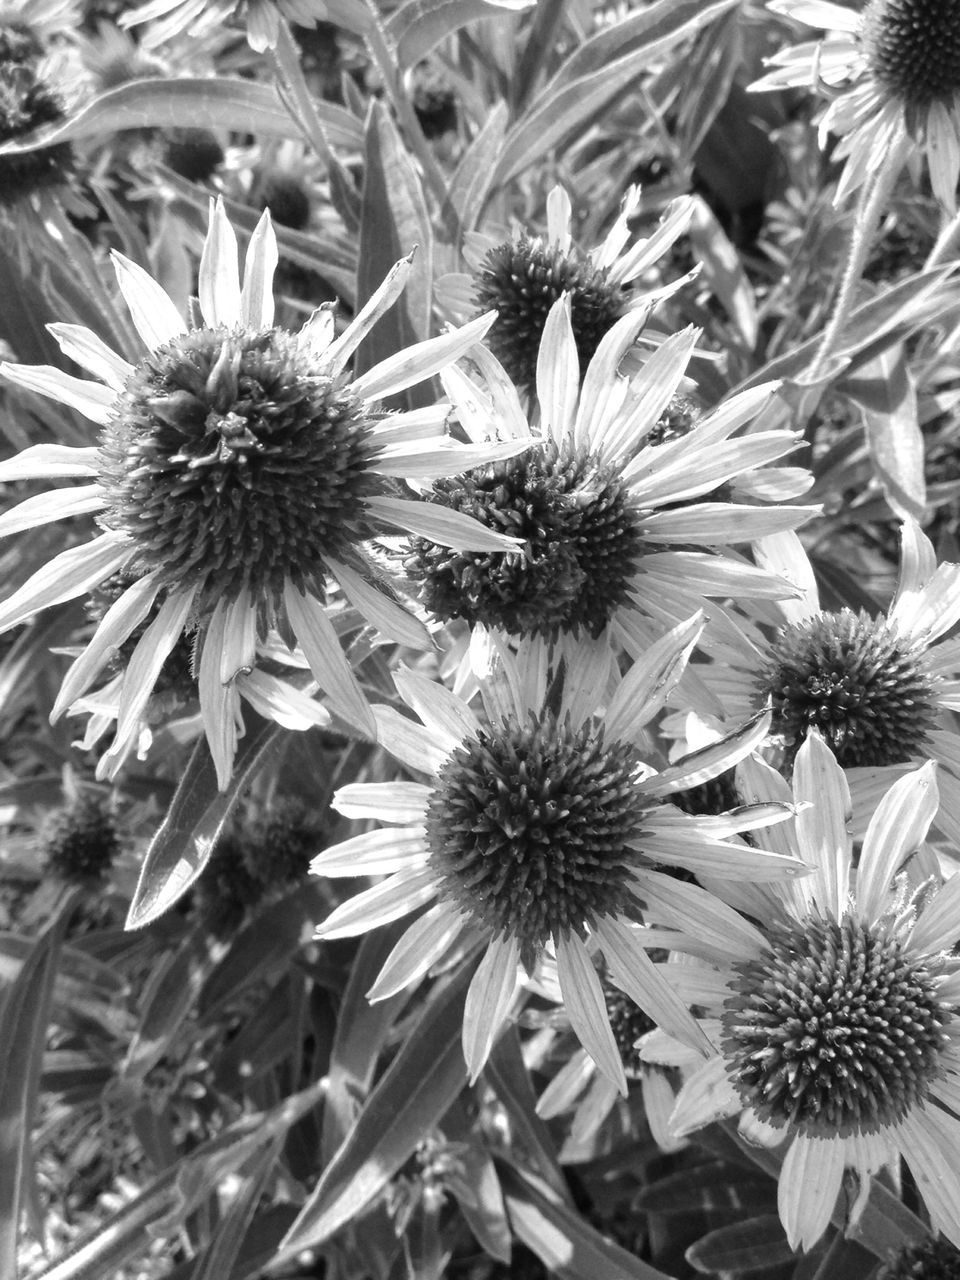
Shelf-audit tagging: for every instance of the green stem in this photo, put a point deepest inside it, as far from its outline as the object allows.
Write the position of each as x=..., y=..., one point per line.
x=873, y=200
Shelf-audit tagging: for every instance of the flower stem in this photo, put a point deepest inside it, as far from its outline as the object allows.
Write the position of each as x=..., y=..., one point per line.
x=872, y=202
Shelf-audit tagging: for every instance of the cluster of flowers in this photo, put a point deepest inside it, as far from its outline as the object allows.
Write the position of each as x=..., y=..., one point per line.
x=606, y=569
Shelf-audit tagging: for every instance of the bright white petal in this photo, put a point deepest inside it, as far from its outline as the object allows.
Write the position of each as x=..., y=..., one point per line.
x=394, y=897
x=49, y=462
x=256, y=298
x=558, y=371
x=280, y=702
x=151, y=308
x=410, y=742
x=219, y=285
x=898, y=826
x=58, y=504
x=398, y=802
x=586, y=1007
x=70, y=574
x=705, y=1097
x=90, y=352
x=822, y=836
x=337, y=354
x=219, y=697
x=447, y=717
x=422, y=360
x=440, y=524
x=937, y=929
x=375, y=853
x=809, y=1184
x=321, y=646
x=648, y=683
x=389, y=617
x=784, y=554
x=931, y=1146
x=420, y=947
x=489, y=998
x=92, y=399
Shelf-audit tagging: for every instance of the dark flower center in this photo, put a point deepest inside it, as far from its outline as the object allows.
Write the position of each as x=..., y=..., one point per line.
x=521, y=280
x=528, y=829
x=838, y=1031
x=582, y=546
x=27, y=103
x=229, y=466
x=853, y=678
x=926, y=1260
x=913, y=48
x=19, y=43
x=81, y=842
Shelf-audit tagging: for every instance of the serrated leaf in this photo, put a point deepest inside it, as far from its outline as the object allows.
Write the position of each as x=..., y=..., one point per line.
x=197, y=815
x=752, y=1245
x=567, y=1246
x=886, y=391
x=415, y=1091
x=24, y=1013
x=419, y=25
x=195, y=103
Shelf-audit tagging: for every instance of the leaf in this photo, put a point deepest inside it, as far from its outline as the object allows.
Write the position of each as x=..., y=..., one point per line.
x=888, y=395
x=557, y=1234
x=169, y=995
x=483, y=1208
x=708, y=77
x=419, y=25
x=197, y=815
x=419, y=1085
x=506, y=1074
x=470, y=185
x=219, y=1256
x=23, y=1028
x=714, y=1185
x=723, y=271
x=193, y=103
x=752, y=1245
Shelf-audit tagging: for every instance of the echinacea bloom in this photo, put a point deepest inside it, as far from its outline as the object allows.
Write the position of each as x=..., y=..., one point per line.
x=27, y=25
x=620, y=518
x=831, y=1000
x=171, y=18
x=893, y=70
x=522, y=276
x=238, y=467
x=881, y=690
x=536, y=831
x=29, y=100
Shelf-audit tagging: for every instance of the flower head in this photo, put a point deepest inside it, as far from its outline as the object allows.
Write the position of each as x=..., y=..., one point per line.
x=171, y=18
x=928, y=1259
x=892, y=69
x=832, y=1001
x=618, y=514
x=28, y=100
x=239, y=472
x=535, y=833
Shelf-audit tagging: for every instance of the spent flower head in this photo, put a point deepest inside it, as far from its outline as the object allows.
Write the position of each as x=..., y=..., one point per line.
x=239, y=471
x=535, y=833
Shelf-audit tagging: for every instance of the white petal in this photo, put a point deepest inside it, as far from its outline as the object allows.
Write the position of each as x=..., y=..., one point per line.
x=707, y=1096
x=422, y=360
x=603, y=389
x=219, y=285
x=898, y=826
x=394, y=897
x=645, y=253
x=559, y=212
x=719, y=930
x=280, y=702
x=809, y=1184
x=943, y=154
x=219, y=696
x=70, y=574
x=321, y=646
x=650, y=392
x=648, y=683
x=50, y=461
x=92, y=353
x=587, y=1009
x=420, y=947
x=374, y=853
x=567, y=1085
x=440, y=524
x=447, y=717
x=822, y=836
x=92, y=399
x=716, y=523
x=937, y=928
x=558, y=371
x=387, y=801
x=339, y=352
x=431, y=459
x=408, y=741
x=151, y=308
x=256, y=298
x=489, y=998
x=819, y=13
x=784, y=554
x=57, y=504
x=931, y=1147
x=239, y=652
x=389, y=617
x=123, y=616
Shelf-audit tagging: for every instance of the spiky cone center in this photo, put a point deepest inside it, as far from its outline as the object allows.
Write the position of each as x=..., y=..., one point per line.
x=837, y=1031
x=26, y=103
x=228, y=465
x=852, y=677
x=522, y=279
x=582, y=546
x=19, y=43
x=628, y=1022
x=923, y=1260
x=913, y=48
x=80, y=842
x=528, y=828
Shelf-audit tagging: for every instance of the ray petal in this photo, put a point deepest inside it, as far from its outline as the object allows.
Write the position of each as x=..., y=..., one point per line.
x=420, y=947
x=394, y=897
x=489, y=998
x=219, y=283
x=90, y=352
x=586, y=1007
x=809, y=1184
x=256, y=297
x=321, y=647
x=151, y=308
x=92, y=399
x=72, y=573
x=57, y=504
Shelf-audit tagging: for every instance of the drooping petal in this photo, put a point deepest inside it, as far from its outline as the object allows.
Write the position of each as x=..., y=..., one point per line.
x=411, y=743
x=648, y=683
x=784, y=554
x=931, y=1147
x=50, y=461
x=92, y=399
x=809, y=1184
x=375, y=853
x=239, y=652
x=567, y=1085
x=90, y=352
x=280, y=702
x=489, y=998
x=586, y=1007
x=321, y=647
x=705, y=1097
x=219, y=282
x=121, y=619
x=420, y=947
x=447, y=717
x=394, y=897
x=719, y=931
x=219, y=696
x=898, y=826
x=256, y=297
x=390, y=618
x=70, y=574
x=57, y=504
x=398, y=802
x=335, y=357
x=151, y=308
